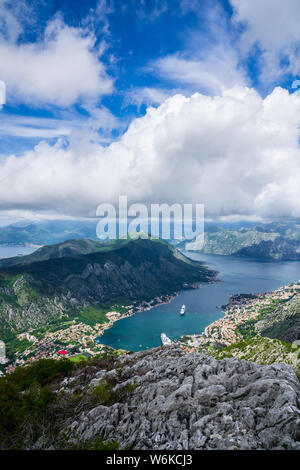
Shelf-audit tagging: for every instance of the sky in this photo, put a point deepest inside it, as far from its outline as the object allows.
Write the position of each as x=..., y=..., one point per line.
x=165, y=101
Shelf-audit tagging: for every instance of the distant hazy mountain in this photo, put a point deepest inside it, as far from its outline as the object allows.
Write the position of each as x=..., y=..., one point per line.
x=68, y=248
x=266, y=241
x=277, y=240
x=57, y=231
x=47, y=232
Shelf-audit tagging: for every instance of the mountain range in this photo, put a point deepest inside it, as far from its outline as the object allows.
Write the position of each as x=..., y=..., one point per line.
x=276, y=241
x=47, y=232
x=157, y=399
x=63, y=279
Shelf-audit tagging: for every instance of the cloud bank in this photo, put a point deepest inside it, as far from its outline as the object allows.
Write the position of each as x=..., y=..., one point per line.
x=237, y=153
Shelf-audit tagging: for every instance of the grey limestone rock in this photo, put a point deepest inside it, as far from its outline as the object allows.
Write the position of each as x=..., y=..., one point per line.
x=192, y=401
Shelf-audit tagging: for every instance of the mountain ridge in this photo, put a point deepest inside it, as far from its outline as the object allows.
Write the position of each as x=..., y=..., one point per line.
x=269, y=241
x=60, y=289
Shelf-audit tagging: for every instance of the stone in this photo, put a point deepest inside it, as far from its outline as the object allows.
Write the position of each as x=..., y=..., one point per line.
x=191, y=401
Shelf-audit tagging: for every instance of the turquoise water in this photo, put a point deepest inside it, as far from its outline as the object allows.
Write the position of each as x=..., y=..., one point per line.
x=239, y=275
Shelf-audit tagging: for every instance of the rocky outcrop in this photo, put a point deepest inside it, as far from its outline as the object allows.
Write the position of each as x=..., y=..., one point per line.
x=280, y=249
x=269, y=241
x=22, y=307
x=192, y=401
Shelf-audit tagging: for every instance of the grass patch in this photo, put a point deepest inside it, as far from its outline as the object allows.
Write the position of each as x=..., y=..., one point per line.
x=78, y=358
x=96, y=444
x=92, y=315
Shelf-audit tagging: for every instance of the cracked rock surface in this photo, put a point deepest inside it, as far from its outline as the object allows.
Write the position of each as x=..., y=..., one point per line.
x=192, y=401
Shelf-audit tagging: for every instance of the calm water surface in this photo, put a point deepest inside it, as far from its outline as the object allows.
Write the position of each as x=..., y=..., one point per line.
x=10, y=251
x=239, y=275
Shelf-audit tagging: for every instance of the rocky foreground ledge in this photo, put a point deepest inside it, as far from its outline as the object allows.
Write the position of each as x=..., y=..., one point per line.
x=192, y=401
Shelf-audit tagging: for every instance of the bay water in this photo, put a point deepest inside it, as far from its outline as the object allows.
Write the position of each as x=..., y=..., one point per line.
x=237, y=275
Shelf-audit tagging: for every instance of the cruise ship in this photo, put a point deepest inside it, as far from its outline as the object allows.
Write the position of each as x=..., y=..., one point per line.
x=182, y=310
x=165, y=340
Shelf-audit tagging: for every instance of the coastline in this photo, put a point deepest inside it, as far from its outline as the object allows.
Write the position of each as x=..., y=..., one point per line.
x=87, y=337
x=241, y=308
x=81, y=338
x=75, y=336
x=157, y=301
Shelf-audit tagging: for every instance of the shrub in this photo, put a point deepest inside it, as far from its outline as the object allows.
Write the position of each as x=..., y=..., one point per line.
x=41, y=372
x=103, y=393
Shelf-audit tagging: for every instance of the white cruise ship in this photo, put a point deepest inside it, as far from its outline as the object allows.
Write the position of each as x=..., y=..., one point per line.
x=165, y=340
x=182, y=310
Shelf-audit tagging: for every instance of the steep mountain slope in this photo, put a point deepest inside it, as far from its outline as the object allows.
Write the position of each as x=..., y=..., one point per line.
x=258, y=328
x=158, y=399
x=136, y=270
x=281, y=249
x=229, y=242
x=269, y=241
x=261, y=350
x=66, y=249
x=282, y=323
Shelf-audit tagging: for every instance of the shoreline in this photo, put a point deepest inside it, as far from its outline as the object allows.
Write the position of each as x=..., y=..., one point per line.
x=240, y=309
x=141, y=307
x=87, y=336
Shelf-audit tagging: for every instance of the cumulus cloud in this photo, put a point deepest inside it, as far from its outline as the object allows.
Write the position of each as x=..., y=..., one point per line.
x=237, y=153
x=61, y=69
x=273, y=26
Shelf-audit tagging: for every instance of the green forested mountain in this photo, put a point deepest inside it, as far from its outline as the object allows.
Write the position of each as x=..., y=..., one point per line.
x=130, y=270
x=65, y=249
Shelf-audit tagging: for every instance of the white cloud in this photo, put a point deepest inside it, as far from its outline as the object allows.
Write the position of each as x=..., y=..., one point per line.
x=2, y=93
x=209, y=60
x=273, y=26
x=237, y=153
x=210, y=72
x=10, y=27
x=62, y=69
x=147, y=95
x=101, y=122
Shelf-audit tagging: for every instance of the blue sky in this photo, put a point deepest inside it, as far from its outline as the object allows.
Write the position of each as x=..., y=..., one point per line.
x=135, y=36
x=80, y=74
